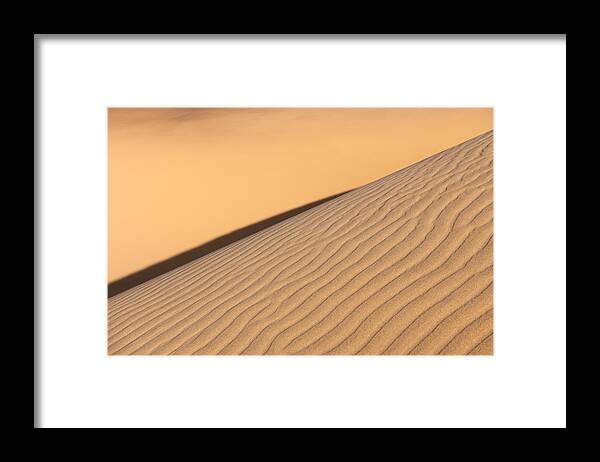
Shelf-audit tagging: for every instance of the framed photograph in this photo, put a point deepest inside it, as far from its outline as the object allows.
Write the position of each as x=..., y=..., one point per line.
x=300, y=231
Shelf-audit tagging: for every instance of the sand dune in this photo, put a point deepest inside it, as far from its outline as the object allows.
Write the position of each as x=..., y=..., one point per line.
x=402, y=265
x=179, y=178
x=168, y=264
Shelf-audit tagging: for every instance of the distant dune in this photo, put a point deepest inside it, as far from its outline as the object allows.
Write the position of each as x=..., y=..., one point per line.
x=400, y=266
x=179, y=178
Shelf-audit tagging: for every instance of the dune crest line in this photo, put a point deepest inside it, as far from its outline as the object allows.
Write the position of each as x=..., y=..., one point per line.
x=132, y=280
x=402, y=265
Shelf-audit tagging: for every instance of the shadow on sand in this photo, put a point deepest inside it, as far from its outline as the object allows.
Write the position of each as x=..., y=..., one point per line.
x=132, y=280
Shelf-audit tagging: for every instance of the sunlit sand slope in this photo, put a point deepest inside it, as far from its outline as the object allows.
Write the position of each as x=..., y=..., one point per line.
x=400, y=266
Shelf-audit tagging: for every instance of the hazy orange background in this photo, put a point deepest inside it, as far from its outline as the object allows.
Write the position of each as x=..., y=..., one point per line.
x=181, y=177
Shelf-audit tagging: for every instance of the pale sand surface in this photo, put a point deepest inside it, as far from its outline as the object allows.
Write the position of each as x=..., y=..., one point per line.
x=402, y=265
x=179, y=178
